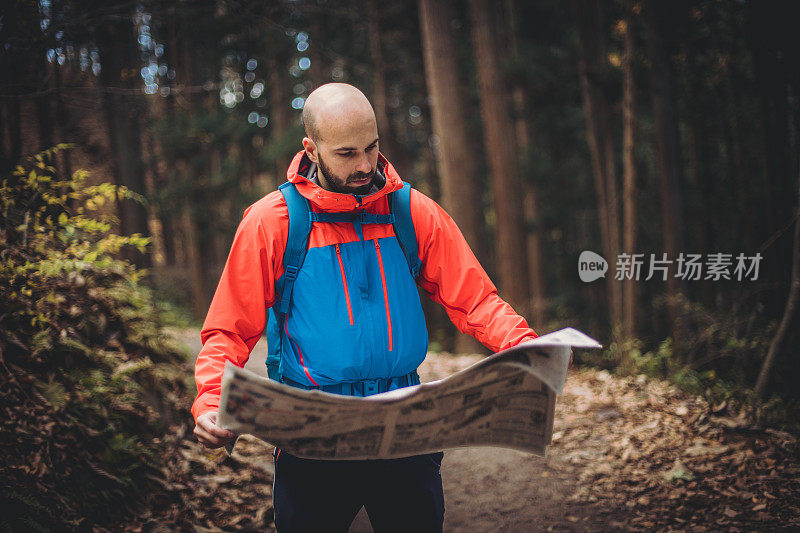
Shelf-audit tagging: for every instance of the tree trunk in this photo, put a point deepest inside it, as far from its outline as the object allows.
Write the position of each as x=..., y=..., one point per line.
x=123, y=126
x=789, y=311
x=14, y=132
x=200, y=298
x=320, y=71
x=186, y=224
x=4, y=166
x=456, y=163
x=743, y=195
x=667, y=159
x=536, y=275
x=221, y=207
x=703, y=226
x=21, y=49
x=501, y=153
x=63, y=120
x=772, y=65
x=629, y=172
x=599, y=136
x=44, y=111
x=279, y=109
x=389, y=145
x=153, y=180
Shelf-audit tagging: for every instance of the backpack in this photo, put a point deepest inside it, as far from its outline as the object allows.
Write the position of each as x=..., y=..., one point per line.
x=300, y=219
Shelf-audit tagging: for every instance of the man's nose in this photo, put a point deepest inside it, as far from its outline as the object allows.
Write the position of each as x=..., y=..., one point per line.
x=364, y=165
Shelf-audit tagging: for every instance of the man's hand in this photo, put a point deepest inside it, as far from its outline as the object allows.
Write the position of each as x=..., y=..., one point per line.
x=209, y=433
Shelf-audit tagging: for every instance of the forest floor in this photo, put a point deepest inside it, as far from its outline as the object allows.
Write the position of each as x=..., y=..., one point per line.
x=628, y=453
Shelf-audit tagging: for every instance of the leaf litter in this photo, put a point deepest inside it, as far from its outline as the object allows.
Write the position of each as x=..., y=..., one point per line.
x=641, y=455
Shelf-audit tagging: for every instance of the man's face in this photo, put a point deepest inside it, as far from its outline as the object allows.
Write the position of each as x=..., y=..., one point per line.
x=358, y=182
x=346, y=154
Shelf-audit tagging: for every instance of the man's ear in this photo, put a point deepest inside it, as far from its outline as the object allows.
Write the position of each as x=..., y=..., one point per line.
x=311, y=149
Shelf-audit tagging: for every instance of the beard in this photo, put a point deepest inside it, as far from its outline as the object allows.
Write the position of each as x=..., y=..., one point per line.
x=338, y=184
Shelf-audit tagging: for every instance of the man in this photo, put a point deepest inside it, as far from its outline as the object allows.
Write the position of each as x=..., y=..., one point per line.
x=355, y=323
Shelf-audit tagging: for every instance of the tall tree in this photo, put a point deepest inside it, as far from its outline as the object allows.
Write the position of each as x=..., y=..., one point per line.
x=180, y=50
x=44, y=110
x=629, y=193
x=388, y=141
x=592, y=68
x=522, y=130
x=119, y=77
x=702, y=228
x=773, y=40
x=668, y=169
x=792, y=300
x=22, y=45
x=455, y=160
x=501, y=154
x=784, y=50
x=63, y=120
x=279, y=109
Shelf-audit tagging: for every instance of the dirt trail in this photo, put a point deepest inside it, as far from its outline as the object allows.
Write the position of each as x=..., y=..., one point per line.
x=493, y=489
x=485, y=488
x=627, y=454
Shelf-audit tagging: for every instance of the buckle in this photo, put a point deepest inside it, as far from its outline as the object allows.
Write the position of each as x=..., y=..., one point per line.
x=291, y=272
x=371, y=386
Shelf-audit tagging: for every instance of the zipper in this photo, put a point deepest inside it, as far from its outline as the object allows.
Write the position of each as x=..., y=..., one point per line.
x=344, y=284
x=305, y=369
x=385, y=292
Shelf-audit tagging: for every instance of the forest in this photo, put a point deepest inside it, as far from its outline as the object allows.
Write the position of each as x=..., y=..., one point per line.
x=629, y=168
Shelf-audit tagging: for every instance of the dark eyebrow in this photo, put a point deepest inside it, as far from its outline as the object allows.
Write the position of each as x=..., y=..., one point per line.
x=343, y=148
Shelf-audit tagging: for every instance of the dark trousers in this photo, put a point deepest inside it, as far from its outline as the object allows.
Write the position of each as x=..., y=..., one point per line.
x=399, y=494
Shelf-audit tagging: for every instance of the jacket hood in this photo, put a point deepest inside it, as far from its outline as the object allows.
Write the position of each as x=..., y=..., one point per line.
x=325, y=200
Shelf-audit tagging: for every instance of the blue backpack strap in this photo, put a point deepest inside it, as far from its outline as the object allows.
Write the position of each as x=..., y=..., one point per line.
x=293, y=257
x=361, y=216
x=296, y=243
x=400, y=205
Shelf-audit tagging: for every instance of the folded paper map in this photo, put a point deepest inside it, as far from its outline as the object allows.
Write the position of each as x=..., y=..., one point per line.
x=506, y=400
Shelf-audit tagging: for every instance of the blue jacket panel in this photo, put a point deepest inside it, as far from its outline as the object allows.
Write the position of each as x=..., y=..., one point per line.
x=319, y=345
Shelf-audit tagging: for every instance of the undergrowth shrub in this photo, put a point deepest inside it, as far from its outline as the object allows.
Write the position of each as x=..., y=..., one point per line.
x=91, y=388
x=720, y=359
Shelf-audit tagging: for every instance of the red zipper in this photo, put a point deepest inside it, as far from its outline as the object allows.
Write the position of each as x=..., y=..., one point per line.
x=385, y=292
x=344, y=283
x=308, y=374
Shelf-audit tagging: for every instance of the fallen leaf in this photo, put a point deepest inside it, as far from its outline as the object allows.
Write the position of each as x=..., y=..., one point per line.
x=730, y=513
x=678, y=472
x=701, y=449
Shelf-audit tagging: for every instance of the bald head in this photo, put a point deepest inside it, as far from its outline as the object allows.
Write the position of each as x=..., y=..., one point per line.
x=341, y=138
x=334, y=106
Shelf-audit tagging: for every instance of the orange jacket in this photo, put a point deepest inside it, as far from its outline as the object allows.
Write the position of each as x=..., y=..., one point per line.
x=450, y=275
